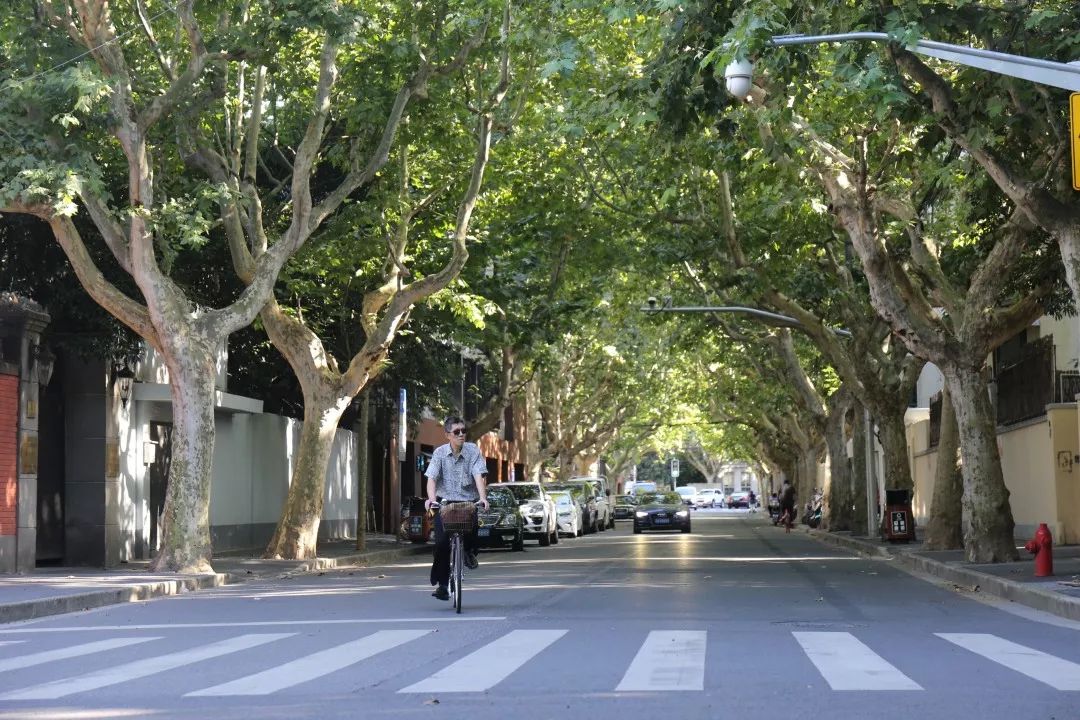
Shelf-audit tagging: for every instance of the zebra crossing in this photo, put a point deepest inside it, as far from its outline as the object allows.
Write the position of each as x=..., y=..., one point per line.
x=665, y=661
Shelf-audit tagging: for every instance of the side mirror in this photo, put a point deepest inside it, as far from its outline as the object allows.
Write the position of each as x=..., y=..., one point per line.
x=608, y=493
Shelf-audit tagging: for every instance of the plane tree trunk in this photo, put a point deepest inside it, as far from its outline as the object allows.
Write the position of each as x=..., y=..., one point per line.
x=944, y=530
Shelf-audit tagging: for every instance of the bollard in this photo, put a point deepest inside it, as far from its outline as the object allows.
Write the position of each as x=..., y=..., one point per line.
x=1042, y=547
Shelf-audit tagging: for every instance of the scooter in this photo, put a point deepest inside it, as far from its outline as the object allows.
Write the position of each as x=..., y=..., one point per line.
x=812, y=516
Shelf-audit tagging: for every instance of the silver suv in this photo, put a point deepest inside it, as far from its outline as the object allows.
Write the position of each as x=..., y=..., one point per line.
x=605, y=506
x=538, y=509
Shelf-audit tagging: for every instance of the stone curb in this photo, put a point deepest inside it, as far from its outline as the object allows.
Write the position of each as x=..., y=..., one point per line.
x=59, y=605
x=1058, y=604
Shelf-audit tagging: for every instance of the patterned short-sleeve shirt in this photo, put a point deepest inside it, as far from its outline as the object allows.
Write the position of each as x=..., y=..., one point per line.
x=455, y=476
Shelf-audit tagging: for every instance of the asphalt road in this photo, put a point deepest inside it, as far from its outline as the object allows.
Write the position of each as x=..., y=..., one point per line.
x=736, y=620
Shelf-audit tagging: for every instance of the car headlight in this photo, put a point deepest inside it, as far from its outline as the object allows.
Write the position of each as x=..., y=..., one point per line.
x=682, y=513
x=641, y=514
x=536, y=507
x=506, y=521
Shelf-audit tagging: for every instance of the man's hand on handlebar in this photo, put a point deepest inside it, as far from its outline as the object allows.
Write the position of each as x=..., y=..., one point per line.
x=482, y=504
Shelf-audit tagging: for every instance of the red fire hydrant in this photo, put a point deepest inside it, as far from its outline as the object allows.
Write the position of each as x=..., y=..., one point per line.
x=1042, y=547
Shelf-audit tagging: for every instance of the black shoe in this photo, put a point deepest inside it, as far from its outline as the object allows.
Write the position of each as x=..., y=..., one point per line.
x=470, y=561
x=441, y=593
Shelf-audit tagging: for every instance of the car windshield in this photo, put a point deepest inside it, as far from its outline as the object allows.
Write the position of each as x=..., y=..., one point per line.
x=562, y=498
x=501, y=498
x=659, y=498
x=524, y=492
x=625, y=500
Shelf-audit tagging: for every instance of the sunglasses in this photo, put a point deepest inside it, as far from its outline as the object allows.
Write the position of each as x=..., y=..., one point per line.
x=458, y=431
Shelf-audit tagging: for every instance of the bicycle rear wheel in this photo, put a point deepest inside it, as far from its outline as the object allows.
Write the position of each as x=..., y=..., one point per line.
x=457, y=562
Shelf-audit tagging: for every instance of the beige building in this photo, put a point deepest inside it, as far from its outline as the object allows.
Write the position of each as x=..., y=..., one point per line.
x=1034, y=388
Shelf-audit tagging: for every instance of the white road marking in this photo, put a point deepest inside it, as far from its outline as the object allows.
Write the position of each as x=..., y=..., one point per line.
x=313, y=666
x=667, y=660
x=10, y=642
x=483, y=669
x=253, y=623
x=140, y=668
x=46, y=656
x=1055, y=672
x=847, y=664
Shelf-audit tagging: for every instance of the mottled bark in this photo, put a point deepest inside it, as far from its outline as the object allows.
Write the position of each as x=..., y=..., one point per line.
x=858, y=480
x=944, y=530
x=185, y=540
x=987, y=518
x=298, y=528
x=363, y=461
x=836, y=513
x=893, y=438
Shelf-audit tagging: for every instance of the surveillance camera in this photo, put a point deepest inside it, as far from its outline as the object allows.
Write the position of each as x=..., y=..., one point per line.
x=652, y=303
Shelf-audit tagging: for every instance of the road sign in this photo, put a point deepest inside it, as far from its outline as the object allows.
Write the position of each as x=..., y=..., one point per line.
x=674, y=467
x=1074, y=136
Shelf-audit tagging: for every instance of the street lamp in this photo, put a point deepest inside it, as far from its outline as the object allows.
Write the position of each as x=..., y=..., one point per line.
x=1066, y=76
x=652, y=305
x=739, y=76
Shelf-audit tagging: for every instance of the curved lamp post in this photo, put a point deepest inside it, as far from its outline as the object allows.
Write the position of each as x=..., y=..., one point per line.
x=739, y=79
x=1066, y=76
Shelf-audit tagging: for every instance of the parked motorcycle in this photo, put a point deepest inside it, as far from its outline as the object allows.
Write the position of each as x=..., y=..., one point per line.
x=812, y=515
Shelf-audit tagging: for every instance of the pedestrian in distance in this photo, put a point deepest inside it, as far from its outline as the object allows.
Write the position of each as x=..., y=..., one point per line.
x=787, y=506
x=457, y=473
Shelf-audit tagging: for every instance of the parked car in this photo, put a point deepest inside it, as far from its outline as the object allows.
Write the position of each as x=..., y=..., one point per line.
x=634, y=487
x=661, y=511
x=708, y=497
x=605, y=509
x=739, y=500
x=624, y=507
x=501, y=524
x=687, y=495
x=538, y=510
x=585, y=493
x=567, y=512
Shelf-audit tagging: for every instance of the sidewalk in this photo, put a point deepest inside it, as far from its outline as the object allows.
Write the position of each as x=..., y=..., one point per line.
x=52, y=591
x=1013, y=581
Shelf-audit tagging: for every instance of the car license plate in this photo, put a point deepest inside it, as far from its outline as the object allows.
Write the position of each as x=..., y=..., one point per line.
x=661, y=521
x=483, y=532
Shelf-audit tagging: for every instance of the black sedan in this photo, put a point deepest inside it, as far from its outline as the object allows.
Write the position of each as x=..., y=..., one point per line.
x=661, y=511
x=501, y=524
x=624, y=507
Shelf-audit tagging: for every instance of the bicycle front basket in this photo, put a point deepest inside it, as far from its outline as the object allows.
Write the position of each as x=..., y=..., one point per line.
x=459, y=516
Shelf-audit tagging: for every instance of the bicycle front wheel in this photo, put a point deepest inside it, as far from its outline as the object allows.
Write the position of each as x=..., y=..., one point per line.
x=457, y=562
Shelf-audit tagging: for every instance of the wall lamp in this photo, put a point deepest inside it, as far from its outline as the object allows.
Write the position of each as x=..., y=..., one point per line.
x=125, y=379
x=44, y=363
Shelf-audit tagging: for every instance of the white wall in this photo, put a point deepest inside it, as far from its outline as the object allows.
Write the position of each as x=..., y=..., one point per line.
x=254, y=457
x=930, y=382
x=253, y=460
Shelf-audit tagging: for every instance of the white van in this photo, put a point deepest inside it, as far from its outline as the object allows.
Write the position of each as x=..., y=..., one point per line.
x=641, y=486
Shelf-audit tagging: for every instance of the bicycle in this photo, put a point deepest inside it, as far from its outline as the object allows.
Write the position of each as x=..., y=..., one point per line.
x=457, y=518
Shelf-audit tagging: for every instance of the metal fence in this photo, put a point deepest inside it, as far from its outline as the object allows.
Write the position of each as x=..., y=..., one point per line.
x=1027, y=386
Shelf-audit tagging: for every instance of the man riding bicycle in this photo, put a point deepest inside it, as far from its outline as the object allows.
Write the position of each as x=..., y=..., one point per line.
x=456, y=474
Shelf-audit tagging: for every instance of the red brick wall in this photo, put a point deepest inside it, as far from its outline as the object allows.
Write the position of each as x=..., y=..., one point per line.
x=9, y=428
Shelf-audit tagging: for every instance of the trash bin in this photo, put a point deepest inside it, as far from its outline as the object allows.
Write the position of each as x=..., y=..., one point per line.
x=898, y=520
x=417, y=524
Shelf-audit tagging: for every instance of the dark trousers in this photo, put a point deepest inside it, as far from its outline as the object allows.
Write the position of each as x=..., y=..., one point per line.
x=440, y=566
